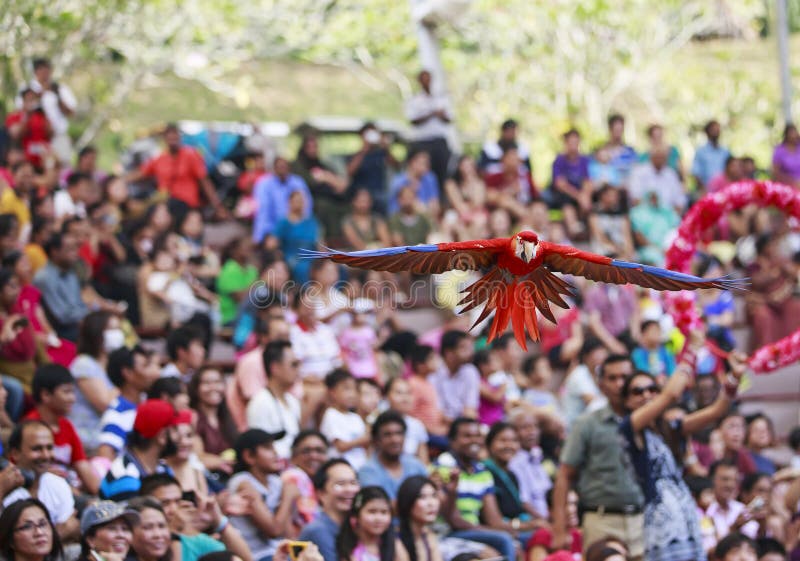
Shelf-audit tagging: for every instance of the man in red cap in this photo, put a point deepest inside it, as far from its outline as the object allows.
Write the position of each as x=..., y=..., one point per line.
x=144, y=447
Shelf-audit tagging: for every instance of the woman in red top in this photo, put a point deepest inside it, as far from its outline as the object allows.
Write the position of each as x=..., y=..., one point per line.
x=18, y=350
x=29, y=304
x=29, y=126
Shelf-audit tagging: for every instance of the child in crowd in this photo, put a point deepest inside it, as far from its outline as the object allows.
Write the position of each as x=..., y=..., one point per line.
x=493, y=385
x=366, y=533
x=369, y=397
x=358, y=342
x=703, y=493
x=54, y=396
x=170, y=389
x=651, y=355
x=540, y=375
x=400, y=399
x=344, y=429
x=425, y=407
x=266, y=516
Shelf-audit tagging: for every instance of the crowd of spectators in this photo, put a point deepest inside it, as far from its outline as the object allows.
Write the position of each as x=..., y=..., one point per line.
x=613, y=438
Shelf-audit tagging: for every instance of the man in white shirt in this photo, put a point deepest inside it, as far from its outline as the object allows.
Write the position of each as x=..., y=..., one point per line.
x=59, y=105
x=430, y=118
x=657, y=176
x=274, y=409
x=31, y=448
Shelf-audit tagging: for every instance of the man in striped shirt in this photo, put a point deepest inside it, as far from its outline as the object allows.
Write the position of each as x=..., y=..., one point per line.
x=475, y=484
x=133, y=371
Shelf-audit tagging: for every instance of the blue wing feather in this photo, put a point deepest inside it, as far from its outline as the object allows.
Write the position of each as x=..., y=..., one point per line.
x=726, y=281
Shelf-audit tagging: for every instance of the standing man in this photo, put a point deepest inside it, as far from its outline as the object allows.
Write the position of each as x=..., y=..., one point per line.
x=534, y=483
x=622, y=156
x=389, y=467
x=367, y=168
x=594, y=461
x=492, y=151
x=181, y=173
x=274, y=409
x=59, y=104
x=709, y=159
x=430, y=118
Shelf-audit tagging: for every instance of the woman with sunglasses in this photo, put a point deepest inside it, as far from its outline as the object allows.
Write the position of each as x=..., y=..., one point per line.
x=655, y=447
x=27, y=533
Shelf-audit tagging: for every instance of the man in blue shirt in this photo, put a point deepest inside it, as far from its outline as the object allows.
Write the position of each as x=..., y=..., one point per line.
x=336, y=485
x=389, y=467
x=709, y=160
x=419, y=176
x=271, y=193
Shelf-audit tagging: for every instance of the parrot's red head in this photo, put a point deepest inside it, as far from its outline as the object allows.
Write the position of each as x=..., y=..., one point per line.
x=526, y=245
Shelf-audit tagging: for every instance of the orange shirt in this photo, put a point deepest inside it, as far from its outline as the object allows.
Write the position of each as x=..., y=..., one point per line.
x=178, y=174
x=426, y=405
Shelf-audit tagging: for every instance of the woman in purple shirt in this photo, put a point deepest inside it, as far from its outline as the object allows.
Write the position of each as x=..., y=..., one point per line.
x=786, y=158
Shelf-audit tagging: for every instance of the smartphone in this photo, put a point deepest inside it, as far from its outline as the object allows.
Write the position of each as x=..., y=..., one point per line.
x=190, y=496
x=756, y=504
x=296, y=548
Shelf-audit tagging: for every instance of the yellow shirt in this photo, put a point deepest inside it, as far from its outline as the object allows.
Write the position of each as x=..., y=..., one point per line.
x=10, y=203
x=37, y=256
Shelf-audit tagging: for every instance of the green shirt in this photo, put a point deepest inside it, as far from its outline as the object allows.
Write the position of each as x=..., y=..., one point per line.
x=194, y=547
x=413, y=229
x=473, y=486
x=233, y=278
x=595, y=447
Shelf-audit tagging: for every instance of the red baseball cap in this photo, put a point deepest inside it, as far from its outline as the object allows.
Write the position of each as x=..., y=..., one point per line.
x=153, y=416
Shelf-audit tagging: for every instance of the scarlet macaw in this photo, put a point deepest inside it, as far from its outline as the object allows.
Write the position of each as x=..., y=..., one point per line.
x=520, y=275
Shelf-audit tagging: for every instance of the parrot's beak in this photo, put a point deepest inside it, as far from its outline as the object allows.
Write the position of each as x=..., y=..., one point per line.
x=529, y=251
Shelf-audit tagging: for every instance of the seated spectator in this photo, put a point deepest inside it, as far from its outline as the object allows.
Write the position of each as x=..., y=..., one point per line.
x=623, y=157
x=309, y=452
x=786, y=157
x=331, y=304
x=12, y=200
x=541, y=542
x=457, y=381
x=655, y=137
x=249, y=376
x=369, y=166
x=213, y=423
x=423, y=182
x=30, y=127
x=732, y=429
x=61, y=287
x=466, y=192
x=54, y=396
x=29, y=301
x=106, y=529
x=367, y=532
x=186, y=352
x=237, y=275
x=181, y=459
x=472, y=490
x=602, y=171
x=526, y=465
x=409, y=225
x=42, y=229
x=343, y=428
x=580, y=389
x=271, y=193
x=656, y=176
x=508, y=512
x=653, y=222
x=617, y=329
x=731, y=174
x=336, y=485
x=424, y=363
x=358, y=342
x=151, y=539
x=172, y=390
x=100, y=334
x=728, y=514
x=144, y=449
x=512, y=188
x=269, y=504
x=19, y=352
x=760, y=436
x=401, y=399
x=389, y=466
x=71, y=201
x=190, y=247
x=133, y=372
x=30, y=448
x=18, y=539
x=274, y=409
x=539, y=373
x=609, y=225
x=651, y=355
x=772, y=307
x=297, y=230
x=369, y=398
x=571, y=191
x=770, y=549
x=756, y=494
x=418, y=507
x=362, y=228
x=494, y=385
x=736, y=547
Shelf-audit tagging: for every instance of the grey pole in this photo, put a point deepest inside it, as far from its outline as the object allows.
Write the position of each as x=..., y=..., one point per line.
x=783, y=58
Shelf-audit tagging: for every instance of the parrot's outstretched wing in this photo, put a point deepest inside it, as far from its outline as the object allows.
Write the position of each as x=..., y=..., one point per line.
x=419, y=259
x=568, y=260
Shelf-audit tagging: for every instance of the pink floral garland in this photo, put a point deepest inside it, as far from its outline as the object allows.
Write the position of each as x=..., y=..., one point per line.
x=704, y=214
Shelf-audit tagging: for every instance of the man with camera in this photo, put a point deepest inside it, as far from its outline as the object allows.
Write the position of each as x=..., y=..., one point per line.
x=31, y=451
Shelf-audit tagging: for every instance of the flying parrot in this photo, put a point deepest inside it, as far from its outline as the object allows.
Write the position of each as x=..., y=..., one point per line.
x=519, y=276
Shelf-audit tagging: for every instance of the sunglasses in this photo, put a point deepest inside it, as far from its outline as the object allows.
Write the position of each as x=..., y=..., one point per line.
x=645, y=389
